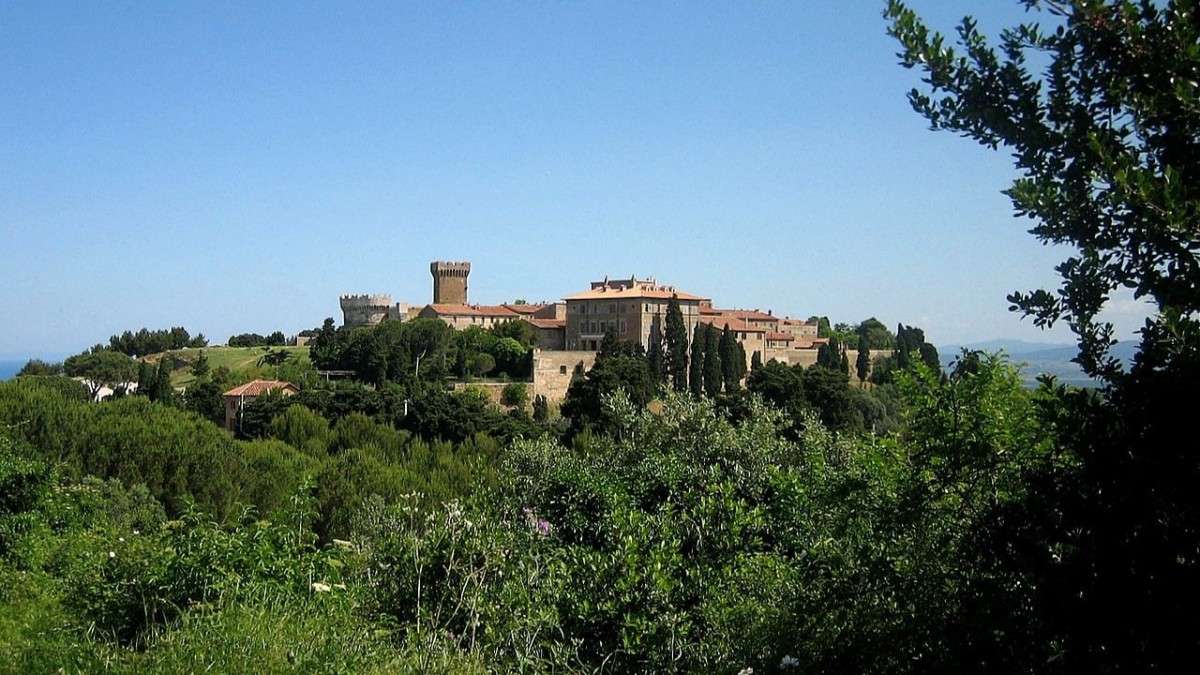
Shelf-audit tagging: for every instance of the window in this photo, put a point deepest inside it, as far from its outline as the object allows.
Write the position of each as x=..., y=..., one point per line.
x=612, y=309
x=562, y=370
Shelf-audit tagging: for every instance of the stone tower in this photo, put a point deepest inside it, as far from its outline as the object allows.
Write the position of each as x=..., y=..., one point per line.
x=365, y=310
x=449, y=282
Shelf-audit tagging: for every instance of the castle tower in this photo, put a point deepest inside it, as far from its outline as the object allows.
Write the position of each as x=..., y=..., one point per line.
x=449, y=282
x=365, y=310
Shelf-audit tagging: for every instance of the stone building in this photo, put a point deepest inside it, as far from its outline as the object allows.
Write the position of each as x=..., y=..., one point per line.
x=569, y=333
x=631, y=306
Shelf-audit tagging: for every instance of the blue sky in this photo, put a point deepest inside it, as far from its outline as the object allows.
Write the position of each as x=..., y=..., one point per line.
x=234, y=167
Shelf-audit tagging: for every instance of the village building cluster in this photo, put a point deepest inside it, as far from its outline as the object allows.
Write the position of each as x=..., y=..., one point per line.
x=569, y=332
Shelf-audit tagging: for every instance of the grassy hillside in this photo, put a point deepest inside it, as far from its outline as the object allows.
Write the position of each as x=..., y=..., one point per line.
x=236, y=359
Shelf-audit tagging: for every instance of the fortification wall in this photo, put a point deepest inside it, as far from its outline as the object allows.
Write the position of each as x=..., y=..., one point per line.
x=553, y=372
x=365, y=310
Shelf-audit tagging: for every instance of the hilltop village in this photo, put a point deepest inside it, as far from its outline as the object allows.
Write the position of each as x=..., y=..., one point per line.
x=569, y=332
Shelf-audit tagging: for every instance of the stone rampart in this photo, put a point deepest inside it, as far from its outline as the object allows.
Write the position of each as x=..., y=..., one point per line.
x=553, y=372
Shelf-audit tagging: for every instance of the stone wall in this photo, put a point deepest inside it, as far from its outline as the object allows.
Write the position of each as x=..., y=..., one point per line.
x=554, y=371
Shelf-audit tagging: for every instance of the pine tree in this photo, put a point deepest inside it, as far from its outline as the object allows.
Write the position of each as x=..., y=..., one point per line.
x=696, y=369
x=677, y=345
x=200, y=367
x=712, y=362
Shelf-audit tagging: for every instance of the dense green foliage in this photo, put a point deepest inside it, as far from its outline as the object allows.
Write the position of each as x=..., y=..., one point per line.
x=425, y=350
x=983, y=527
x=146, y=342
x=1101, y=110
x=275, y=339
x=101, y=368
x=673, y=541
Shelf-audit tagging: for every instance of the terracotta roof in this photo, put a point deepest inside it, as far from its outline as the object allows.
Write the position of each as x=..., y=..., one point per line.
x=472, y=310
x=735, y=325
x=260, y=387
x=638, y=291
x=787, y=337
x=545, y=323
x=524, y=309
x=795, y=322
x=743, y=314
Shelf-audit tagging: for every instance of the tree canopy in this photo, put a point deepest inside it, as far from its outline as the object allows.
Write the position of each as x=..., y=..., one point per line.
x=1107, y=142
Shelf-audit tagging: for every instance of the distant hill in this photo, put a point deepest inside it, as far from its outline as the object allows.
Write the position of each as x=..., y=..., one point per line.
x=1037, y=358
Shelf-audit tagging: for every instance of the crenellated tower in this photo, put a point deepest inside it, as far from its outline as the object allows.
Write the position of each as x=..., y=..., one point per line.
x=365, y=310
x=449, y=282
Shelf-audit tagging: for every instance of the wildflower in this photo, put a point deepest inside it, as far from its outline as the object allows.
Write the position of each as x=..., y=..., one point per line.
x=112, y=554
x=789, y=662
x=540, y=524
x=121, y=540
x=319, y=587
x=746, y=671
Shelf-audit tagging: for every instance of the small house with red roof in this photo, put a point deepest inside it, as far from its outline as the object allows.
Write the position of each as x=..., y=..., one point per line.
x=238, y=397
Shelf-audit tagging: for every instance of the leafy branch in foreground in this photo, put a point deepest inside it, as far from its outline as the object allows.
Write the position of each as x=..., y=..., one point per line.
x=1107, y=140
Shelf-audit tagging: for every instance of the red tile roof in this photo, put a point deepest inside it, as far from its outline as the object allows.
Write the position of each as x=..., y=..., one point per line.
x=795, y=322
x=636, y=291
x=786, y=337
x=472, y=310
x=260, y=387
x=743, y=314
x=545, y=323
x=524, y=309
x=735, y=325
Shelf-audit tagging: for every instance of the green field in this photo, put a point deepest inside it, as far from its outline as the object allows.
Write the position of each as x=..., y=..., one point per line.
x=236, y=359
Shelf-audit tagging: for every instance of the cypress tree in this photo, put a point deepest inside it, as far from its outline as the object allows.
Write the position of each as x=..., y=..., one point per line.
x=677, y=345
x=740, y=361
x=161, y=389
x=902, y=348
x=731, y=368
x=145, y=378
x=756, y=360
x=655, y=356
x=863, y=363
x=696, y=369
x=712, y=362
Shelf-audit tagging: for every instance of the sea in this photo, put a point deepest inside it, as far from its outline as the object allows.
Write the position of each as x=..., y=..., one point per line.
x=9, y=369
